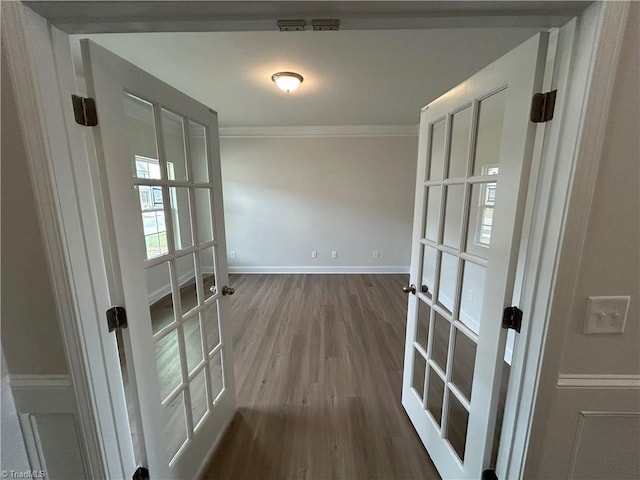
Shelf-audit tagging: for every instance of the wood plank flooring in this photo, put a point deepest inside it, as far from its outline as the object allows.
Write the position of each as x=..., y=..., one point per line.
x=319, y=378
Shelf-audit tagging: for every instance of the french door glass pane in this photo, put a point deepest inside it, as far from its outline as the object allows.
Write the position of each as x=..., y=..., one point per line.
x=454, y=202
x=433, y=213
x=208, y=269
x=142, y=137
x=422, y=332
x=153, y=221
x=198, y=390
x=435, y=395
x=217, y=381
x=197, y=142
x=489, y=136
x=159, y=296
x=185, y=268
x=448, y=278
x=460, y=129
x=419, y=370
x=168, y=363
x=464, y=359
x=440, y=347
x=481, y=218
x=472, y=294
x=428, y=269
x=174, y=147
x=436, y=168
x=181, y=217
x=175, y=426
x=193, y=342
x=210, y=319
x=204, y=214
x=457, y=425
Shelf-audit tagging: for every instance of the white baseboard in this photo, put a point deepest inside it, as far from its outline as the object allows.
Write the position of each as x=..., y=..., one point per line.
x=318, y=270
x=321, y=131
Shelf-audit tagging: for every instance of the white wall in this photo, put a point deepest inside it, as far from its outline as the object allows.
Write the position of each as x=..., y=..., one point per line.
x=30, y=331
x=285, y=197
x=39, y=430
x=592, y=429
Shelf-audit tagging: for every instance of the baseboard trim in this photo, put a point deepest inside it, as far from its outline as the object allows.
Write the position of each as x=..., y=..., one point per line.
x=319, y=270
x=599, y=381
x=321, y=131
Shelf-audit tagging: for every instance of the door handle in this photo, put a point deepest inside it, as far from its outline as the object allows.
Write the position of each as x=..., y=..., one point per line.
x=409, y=289
x=227, y=290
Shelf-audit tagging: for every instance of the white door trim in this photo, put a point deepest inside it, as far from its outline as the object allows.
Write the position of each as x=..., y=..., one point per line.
x=578, y=137
x=42, y=72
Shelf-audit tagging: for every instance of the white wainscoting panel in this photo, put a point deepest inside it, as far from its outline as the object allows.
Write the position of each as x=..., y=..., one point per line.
x=593, y=429
x=605, y=444
x=46, y=407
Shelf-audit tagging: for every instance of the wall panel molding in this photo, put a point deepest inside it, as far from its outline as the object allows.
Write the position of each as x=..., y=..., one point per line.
x=46, y=394
x=579, y=381
x=47, y=412
x=592, y=426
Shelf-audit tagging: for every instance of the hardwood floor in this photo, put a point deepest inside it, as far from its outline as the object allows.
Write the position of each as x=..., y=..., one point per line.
x=319, y=378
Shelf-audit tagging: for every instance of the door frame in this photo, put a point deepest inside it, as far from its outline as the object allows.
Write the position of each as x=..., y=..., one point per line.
x=42, y=74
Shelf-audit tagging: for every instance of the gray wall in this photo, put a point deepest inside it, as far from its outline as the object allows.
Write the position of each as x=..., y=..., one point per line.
x=31, y=336
x=591, y=426
x=611, y=258
x=285, y=197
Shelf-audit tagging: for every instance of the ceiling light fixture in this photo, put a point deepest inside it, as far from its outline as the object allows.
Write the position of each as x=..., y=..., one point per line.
x=287, y=81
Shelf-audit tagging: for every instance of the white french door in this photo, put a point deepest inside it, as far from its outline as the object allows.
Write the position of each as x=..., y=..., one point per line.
x=158, y=178
x=476, y=143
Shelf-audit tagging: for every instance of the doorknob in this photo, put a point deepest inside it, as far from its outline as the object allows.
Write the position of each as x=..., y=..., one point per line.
x=409, y=289
x=227, y=290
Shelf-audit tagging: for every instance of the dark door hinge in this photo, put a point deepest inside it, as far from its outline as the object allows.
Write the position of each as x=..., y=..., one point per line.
x=116, y=318
x=489, y=474
x=141, y=473
x=542, y=106
x=512, y=318
x=84, y=111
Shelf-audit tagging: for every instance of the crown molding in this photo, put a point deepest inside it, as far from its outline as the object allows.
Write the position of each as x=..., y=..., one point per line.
x=321, y=131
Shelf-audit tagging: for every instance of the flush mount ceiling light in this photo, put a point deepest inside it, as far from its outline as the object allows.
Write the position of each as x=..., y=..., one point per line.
x=287, y=81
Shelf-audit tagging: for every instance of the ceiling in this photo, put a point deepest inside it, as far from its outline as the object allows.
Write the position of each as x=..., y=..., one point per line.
x=388, y=59
x=356, y=77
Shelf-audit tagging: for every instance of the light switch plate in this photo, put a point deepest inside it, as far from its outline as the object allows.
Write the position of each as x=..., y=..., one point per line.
x=606, y=315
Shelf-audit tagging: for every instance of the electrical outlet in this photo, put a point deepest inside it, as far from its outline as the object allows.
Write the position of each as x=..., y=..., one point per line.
x=232, y=254
x=606, y=315
x=334, y=254
x=314, y=254
x=376, y=254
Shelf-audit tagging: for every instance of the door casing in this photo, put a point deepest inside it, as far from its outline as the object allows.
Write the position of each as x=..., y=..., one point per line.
x=42, y=74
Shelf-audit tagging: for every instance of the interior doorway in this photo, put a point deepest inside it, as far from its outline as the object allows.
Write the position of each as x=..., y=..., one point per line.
x=145, y=160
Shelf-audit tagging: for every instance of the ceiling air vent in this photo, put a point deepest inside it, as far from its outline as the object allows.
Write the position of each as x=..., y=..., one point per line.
x=291, y=25
x=325, y=24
